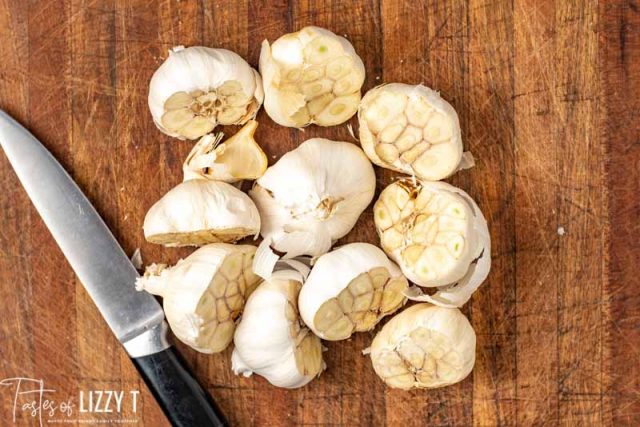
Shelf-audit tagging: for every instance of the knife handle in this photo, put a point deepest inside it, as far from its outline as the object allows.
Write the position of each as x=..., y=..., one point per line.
x=184, y=402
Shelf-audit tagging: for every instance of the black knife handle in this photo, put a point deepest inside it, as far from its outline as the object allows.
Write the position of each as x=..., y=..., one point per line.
x=183, y=400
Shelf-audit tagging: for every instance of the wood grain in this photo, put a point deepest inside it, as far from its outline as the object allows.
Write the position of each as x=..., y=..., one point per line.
x=548, y=96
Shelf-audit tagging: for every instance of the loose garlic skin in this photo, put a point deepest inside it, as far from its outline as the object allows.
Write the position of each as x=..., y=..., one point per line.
x=350, y=289
x=271, y=341
x=197, y=88
x=199, y=211
x=204, y=293
x=311, y=76
x=410, y=129
x=313, y=196
x=437, y=235
x=425, y=346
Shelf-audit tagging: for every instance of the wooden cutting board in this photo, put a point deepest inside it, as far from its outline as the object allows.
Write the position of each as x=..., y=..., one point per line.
x=548, y=94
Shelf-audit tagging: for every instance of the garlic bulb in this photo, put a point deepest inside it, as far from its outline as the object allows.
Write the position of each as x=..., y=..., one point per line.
x=271, y=340
x=425, y=346
x=437, y=235
x=198, y=211
x=311, y=76
x=204, y=293
x=197, y=88
x=349, y=290
x=313, y=196
x=237, y=158
x=410, y=129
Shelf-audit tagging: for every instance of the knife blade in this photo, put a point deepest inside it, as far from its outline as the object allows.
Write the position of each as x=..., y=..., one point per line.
x=136, y=318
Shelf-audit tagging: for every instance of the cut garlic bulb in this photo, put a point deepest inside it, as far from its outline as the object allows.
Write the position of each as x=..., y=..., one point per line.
x=271, y=341
x=311, y=76
x=239, y=157
x=313, y=196
x=425, y=346
x=437, y=235
x=410, y=129
x=199, y=211
x=197, y=88
x=204, y=293
x=349, y=290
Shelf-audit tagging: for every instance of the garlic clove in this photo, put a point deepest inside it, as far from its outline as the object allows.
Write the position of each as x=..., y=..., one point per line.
x=339, y=67
x=177, y=119
x=197, y=126
x=316, y=88
x=422, y=127
x=178, y=100
x=350, y=290
x=338, y=111
x=425, y=346
x=299, y=69
x=204, y=293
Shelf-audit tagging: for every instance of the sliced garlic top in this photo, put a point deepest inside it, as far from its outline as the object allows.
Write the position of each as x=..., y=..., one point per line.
x=204, y=293
x=313, y=196
x=410, y=129
x=433, y=230
x=349, y=290
x=197, y=88
x=425, y=346
x=199, y=211
x=311, y=76
x=237, y=158
x=271, y=341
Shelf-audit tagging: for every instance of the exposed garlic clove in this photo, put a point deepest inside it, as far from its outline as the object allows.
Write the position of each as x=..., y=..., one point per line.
x=425, y=346
x=204, y=293
x=271, y=340
x=349, y=290
x=423, y=128
x=338, y=111
x=197, y=212
x=301, y=68
x=198, y=87
x=437, y=235
x=306, y=201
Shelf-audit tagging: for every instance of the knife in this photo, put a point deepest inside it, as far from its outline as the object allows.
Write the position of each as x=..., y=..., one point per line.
x=136, y=318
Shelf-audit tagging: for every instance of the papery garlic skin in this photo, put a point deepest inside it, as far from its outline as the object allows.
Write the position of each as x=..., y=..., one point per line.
x=270, y=339
x=410, y=129
x=350, y=289
x=425, y=346
x=199, y=211
x=197, y=88
x=204, y=293
x=313, y=196
x=311, y=76
x=437, y=235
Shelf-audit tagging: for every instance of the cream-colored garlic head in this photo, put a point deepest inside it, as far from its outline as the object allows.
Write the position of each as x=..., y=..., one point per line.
x=199, y=211
x=425, y=346
x=204, y=293
x=410, y=129
x=271, y=340
x=197, y=88
x=311, y=76
x=437, y=235
x=349, y=290
x=313, y=196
